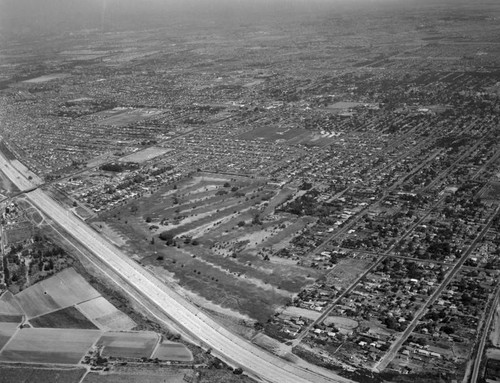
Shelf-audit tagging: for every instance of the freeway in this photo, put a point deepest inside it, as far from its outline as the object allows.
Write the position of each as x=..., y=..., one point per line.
x=229, y=346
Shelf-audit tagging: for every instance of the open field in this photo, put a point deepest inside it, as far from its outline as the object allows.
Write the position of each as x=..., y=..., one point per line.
x=226, y=267
x=301, y=312
x=128, y=344
x=495, y=328
x=45, y=78
x=6, y=332
x=173, y=351
x=64, y=289
x=68, y=317
x=126, y=116
x=340, y=322
x=134, y=375
x=145, y=155
x=30, y=374
x=9, y=305
x=105, y=315
x=61, y=346
x=277, y=134
x=9, y=318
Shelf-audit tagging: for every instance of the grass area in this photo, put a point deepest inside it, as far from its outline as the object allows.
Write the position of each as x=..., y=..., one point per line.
x=68, y=317
x=37, y=345
x=228, y=223
x=31, y=374
x=128, y=344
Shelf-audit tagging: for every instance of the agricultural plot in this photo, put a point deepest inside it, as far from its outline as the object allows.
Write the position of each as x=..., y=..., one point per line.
x=128, y=344
x=64, y=289
x=105, y=315
x=30, y=374
x=68, y=317
x=133, y=376
x=173, y=352
x=61, y=346
x=9, y=305
x=7, y=330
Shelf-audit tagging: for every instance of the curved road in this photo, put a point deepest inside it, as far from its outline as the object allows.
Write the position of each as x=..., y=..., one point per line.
x=260, y=363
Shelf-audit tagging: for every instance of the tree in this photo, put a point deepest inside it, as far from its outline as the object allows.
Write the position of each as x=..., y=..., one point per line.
x=167, y=237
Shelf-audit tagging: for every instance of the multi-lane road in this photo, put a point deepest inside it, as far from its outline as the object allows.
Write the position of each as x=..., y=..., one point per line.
x=229, y=346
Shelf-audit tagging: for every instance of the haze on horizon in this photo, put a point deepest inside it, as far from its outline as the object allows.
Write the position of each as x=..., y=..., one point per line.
x=39, y=17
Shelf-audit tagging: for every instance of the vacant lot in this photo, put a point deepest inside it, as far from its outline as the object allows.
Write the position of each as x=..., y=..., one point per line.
x=128, y=344
x=105, y=315
x=173, y=351
x=64, y=289
x=30, y=374
x=69, y=317
x=36, y=345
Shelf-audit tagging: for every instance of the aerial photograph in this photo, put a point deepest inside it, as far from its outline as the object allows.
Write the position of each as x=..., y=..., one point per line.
x=249, y=191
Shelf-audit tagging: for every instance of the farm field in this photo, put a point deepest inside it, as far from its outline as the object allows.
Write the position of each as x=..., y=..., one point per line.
x=61, y=346
x=21, y=374
x=146, y=376
x=7, y=329
x=105, y=315
x=64, y=289
x=68, y=317
x=8, y=304
x=173, y=351
x=128, y=344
